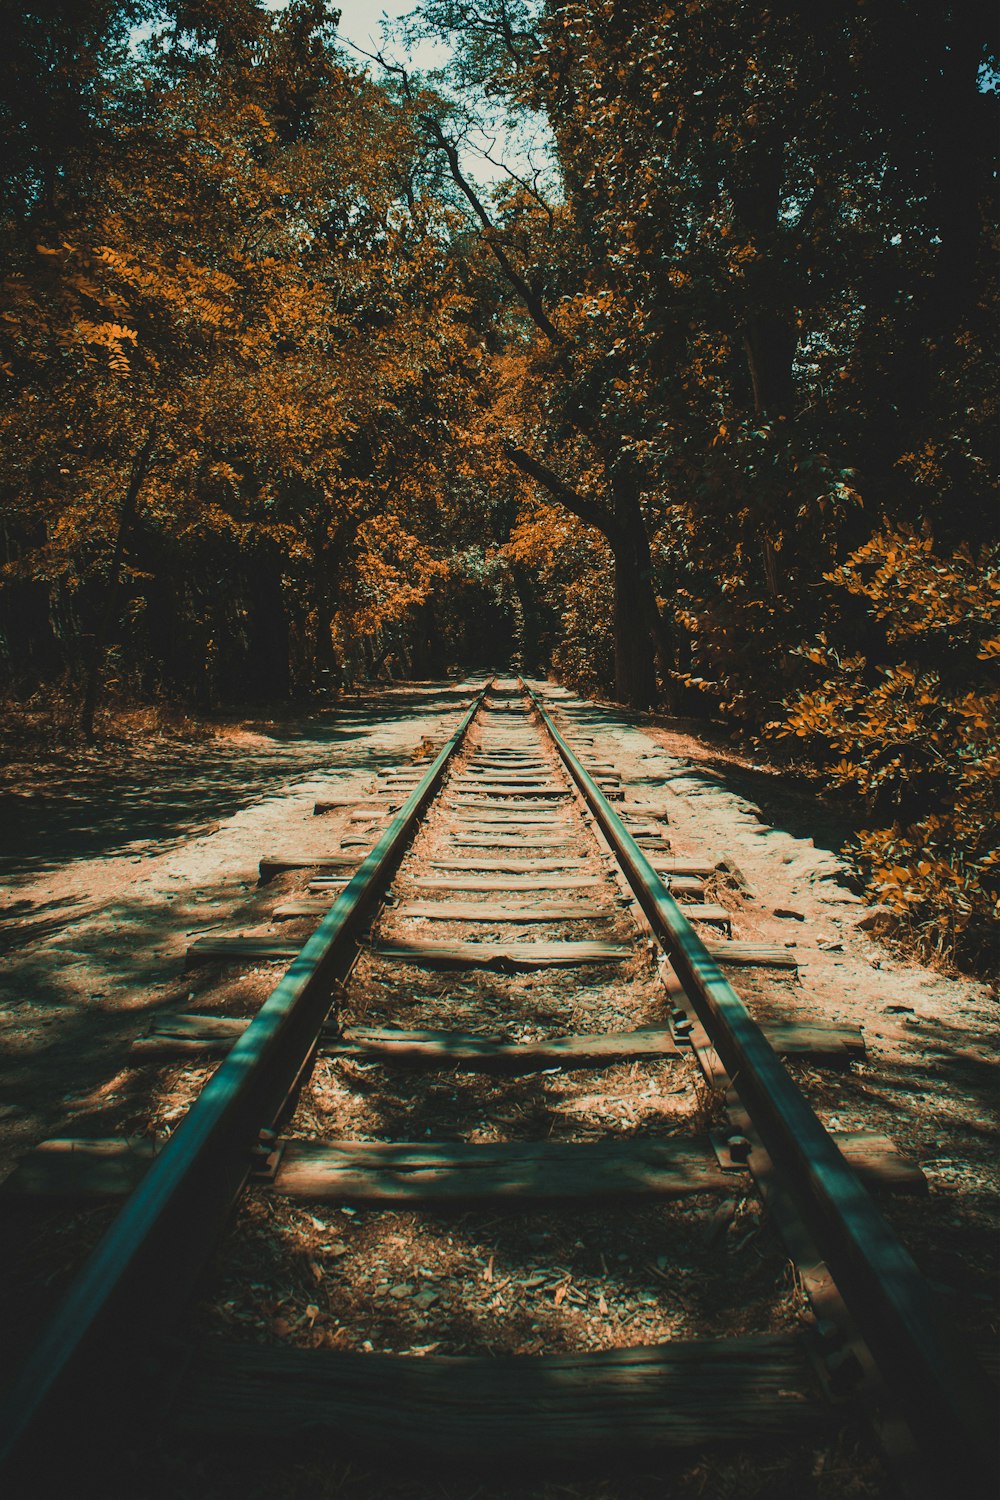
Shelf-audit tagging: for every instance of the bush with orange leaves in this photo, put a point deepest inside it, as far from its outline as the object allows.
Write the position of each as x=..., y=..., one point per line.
x=915, y=730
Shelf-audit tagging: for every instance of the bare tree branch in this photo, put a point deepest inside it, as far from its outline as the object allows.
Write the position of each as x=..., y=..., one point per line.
x=530, y=298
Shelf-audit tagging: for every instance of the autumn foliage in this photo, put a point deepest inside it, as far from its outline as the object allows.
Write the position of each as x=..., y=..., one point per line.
x=697, y=410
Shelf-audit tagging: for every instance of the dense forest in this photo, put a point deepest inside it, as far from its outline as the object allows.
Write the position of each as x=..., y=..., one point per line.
x=699, y=412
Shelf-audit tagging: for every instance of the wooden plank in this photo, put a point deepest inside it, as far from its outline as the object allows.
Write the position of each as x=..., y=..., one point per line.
x=504, y=779
x=486, y=911
x=490, y=820
x=174, y=1035
x=521, y=1171
x=521, y=766
x=238, y=949
x=275, y=864
x=212, y=1036
x=96, y=1168
x=513, y=866
x=750, y=955
x=79, y=1167
x=498, y=862
x=475, y=793
x=303, y=906
x=685, y=885
x=815, y=1039
x=877, y=1161
x=505, y=756
x=457, y=911
x=502, y=955
x=493, y=1054
x=499, y=841
x=494, y=1411
x=500, y=812
x=707, y=911
x=507, y=803
x=179, y=1035
x=505, y=883
x=502, y=785
x=681, y=866
x=363, y=812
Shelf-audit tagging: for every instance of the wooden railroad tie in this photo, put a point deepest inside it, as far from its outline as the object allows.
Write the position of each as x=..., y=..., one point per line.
x=513, y=866
x=499, y=842
x=750, y=955
x=461, y=802
x=362, y=812
x=277, y=864
x=811, y=1039
x=428, y=1172
x=705, y=911
x=511, y=883
x=180, y=1035
x=463, y=911
x=502, y=955
x=236, y=948
x=476, y=819
x=488, y=911
x=509, y=1410
x=503, y=795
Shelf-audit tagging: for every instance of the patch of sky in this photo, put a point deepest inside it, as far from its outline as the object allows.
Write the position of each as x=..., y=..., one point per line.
x=496, y=150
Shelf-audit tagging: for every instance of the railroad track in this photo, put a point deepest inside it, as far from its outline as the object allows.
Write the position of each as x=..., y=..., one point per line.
x=511, y=1010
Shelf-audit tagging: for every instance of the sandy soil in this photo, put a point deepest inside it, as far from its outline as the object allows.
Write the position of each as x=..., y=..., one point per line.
x=108, y=874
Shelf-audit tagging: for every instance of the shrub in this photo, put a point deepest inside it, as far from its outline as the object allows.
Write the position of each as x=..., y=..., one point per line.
x=912, y=723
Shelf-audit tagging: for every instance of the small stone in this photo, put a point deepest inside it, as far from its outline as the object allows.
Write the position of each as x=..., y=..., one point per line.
x=788, y=911
x=425, y=1299
x=404, y=1289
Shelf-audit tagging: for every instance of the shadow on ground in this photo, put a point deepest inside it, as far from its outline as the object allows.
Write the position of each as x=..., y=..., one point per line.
x=150, y=798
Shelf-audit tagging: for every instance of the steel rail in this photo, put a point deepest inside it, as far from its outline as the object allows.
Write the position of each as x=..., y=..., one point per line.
x=85, y=1372
x=943, y=1402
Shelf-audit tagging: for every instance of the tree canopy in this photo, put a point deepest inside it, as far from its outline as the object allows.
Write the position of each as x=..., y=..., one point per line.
x=700, y=414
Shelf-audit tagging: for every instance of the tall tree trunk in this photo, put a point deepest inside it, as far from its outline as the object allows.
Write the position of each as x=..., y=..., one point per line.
x=635, y=663
x=769, y=341
x=769, y=334
x=126, y=516
x=267, y=668
x=643, y=639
